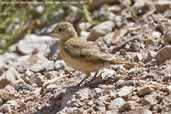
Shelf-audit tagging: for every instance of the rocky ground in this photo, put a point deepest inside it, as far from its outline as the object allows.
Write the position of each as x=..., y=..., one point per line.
x=34, y=80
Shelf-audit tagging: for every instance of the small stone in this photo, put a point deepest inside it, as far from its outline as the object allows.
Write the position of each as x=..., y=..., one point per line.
x=147, y=112
x=101, y=30
x=98, y=91
x=59, y=64
x=138, y=57
x=156, y=34
x=9, y=76
x=100, y=107
x=31, y=42
x=134, y=47
x=84, y=26
x=144, y=91
x=125, y=91
x=167, y=37
x=108, y=39
x=150, y=99
x=12, y=103
x=83, y=94
x=84, y=34
x=6, y=95
x=150, y=56
x=6, y=108
x=22, y=86
x=163, y=55
x=111, y=112
x=125, y=107
x=40, y=80
x=117, y=103
x=50, y=87
x=40, y=8
x=39, y=63
x=108, y=74
x=73, y=110
x=49, y=65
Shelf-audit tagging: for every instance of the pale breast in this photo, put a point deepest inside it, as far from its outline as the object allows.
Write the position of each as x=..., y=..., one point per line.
x=79, y=64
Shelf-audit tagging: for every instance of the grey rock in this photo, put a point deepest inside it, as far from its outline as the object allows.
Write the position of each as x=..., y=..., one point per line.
x=138, y=57
x=147, y=112
x=84, y=34
x=117, y=103
x=150, y=99
x=118, y=20
x=9, y=76
x=101, y=30
x=59, y=64
x=12, y=103
x=167, y=37
x=20, y=86
x=140, y=3
x=125, y=91
x=84, y=26
x=108, y=39
x=150, y=55
x=31, y=42
x=163, y=55
x=7, y=60
x=125, y=107
x=100, y=107
x=6, y=95
x=47, y=65
x=108, y=74
x=83, y=94
x=6, y=108
x=144, y=91
x=74, y=110
x=35, y=63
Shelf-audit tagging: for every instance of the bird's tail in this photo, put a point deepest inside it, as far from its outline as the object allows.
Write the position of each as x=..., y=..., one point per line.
x=127, y=64
x=119, y=61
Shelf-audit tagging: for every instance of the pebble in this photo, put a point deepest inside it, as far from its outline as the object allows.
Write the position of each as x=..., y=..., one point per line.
x=144, y=91
x=101, y=30
x=108, y=74
x=6, y=108
x=125, y=92
x=59, y=64
x=125, y=107
x=163, y=54
x=100, y=107
x=147, y=112
x=83, y=94
x=138, y=57
x=117, y=103
x=47, y=65
x=167, y=37
x=9, y=76
x=84, y=26
x=150, y=99
x=31, y=42
x=108, y=39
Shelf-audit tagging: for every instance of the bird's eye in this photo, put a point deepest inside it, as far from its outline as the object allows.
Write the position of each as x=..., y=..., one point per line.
x=60, y=29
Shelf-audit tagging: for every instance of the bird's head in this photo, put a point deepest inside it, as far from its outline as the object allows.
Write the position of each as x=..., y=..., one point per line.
x=63, y=31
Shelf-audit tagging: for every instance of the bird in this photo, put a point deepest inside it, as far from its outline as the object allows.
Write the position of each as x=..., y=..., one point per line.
x=78, y=53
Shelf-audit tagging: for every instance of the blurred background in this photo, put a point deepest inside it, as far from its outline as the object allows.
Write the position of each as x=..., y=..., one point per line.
x=21, y=17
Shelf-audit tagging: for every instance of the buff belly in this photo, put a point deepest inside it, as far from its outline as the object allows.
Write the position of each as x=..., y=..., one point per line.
x=80, y=64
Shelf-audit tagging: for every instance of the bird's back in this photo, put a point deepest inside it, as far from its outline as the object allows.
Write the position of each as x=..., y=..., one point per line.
x=73, y=52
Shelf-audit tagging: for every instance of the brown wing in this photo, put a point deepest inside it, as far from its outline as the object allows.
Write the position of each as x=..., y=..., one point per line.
x=81, y=49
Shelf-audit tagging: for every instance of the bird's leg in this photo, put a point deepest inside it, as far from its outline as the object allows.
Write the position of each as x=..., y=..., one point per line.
x=95, y=76
x=87, y=75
